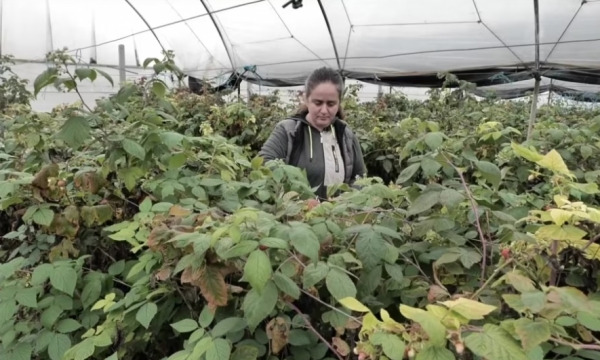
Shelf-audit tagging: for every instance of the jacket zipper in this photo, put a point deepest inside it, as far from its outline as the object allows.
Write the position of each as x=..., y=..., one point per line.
x=337, y=165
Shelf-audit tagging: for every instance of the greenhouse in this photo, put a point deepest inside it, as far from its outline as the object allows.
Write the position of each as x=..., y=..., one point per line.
x=299, y=179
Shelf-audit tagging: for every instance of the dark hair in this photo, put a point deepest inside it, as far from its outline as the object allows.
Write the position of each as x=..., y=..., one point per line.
x=318, y=77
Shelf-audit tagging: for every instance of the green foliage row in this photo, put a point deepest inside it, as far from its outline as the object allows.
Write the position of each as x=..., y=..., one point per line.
x=146, y=228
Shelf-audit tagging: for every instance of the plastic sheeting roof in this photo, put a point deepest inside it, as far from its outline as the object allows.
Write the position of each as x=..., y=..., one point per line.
x=395, y=42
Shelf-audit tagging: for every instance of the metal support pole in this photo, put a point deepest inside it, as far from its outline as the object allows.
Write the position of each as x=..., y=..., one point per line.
x=122, y=76
x=538, y=78
x=534, y=103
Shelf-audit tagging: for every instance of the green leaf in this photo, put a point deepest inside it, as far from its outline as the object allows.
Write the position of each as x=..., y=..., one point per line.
x=228, y=325
x=429, y=322
x=305, y=241
x=27, y=297
x=434, y=140
x=106, y=76
x=64, y=278
x=41, y=273
x=258, y=270
x=589, y=320
x=58, y=345
x=314, y=273
x=534, y=300
x=408, y=173
x=257, y=306
x=43, y=217
x=424, y=202
x=44, y=79
x=393, y=346
x=370, y=248
x=75, y=131
x=245, y=353
x=434, y=353
x=91, y=293
x=395, y=272
x=50, y=316
x=185, y=325
x=206, y=317
x=159, y=89
x=146, y=313
x=219, y=350
x=532, y=333
x=274, y=243
x=490, y=172
x=66, y=326
x=7, y=309
x=21, y=351
x=566, y=321
x=450, y=198
x=134, y=149
x=494, y=343
x=298, y=337
x=286, y=285
x=586, y=151
x=340, y=285
x=243, y=248
x=84, y=73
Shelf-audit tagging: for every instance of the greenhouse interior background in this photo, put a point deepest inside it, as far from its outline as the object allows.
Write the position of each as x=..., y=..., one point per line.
x=385, y=45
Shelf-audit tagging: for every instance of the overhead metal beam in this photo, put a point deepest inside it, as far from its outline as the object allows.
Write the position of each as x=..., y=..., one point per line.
x=147, y=24
x=337, y=57
x=212, y=17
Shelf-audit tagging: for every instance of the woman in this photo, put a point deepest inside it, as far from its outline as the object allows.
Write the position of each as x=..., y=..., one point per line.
x=316, y=138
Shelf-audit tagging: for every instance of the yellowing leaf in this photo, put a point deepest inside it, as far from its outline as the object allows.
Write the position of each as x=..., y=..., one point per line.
x=432, y=325
x=560, y=216
x=560, y=233
x=532, y=333
x=526, y=153
x=179, y=211
x=561, y=200
x=554, y=162
x=470, y=309
x=449, y=320
x=353, y=304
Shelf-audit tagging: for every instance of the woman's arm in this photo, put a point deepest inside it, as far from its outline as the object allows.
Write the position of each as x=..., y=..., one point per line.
x=276, y=145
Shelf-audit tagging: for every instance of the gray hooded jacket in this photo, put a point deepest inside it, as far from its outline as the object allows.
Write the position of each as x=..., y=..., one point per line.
x=299, y=144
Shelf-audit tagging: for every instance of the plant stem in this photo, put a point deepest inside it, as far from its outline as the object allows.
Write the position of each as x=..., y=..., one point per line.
x=477, y=223
x=314, y=330
x=496, y=272
x=576, y=346
x=329, y=306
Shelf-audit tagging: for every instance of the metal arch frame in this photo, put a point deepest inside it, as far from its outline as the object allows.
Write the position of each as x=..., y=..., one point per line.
x=212, y=18
x=337, y=56
x=147, y=24
x=536, y=73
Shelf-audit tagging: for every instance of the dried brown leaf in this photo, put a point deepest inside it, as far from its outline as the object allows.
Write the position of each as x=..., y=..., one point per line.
x=278, y=331
x=212, y=286
x=340, y=346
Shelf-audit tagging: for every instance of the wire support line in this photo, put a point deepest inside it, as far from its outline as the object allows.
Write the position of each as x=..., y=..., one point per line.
x=167, y=25
x=295, y=38
x=506, y=46
x=347, y=46
x=347, y=14
x=421, y=24
x=563, y=34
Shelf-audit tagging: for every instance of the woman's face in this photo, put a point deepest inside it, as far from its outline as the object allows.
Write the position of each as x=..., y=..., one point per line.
x=323, y=104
